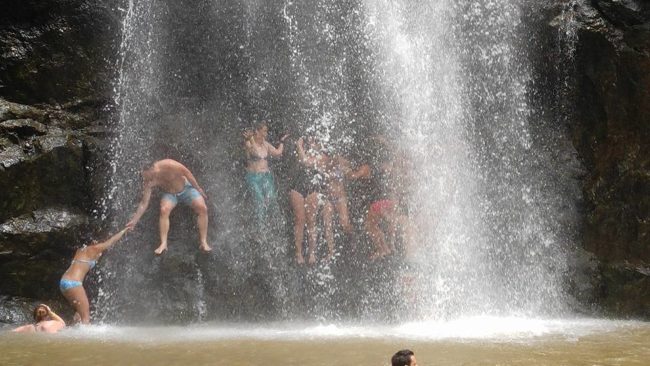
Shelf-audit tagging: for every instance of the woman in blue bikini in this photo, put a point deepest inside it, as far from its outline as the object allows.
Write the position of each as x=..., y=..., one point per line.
x=71, y=283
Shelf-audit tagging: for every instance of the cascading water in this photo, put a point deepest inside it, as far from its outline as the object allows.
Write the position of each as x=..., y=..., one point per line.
x=448, y=82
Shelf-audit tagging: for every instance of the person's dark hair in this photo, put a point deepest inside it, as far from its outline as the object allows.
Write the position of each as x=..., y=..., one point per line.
x=36, y=317
x=402, y=358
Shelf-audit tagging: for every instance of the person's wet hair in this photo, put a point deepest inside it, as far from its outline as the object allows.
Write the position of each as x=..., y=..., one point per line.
x=402, y=358
x=37, y=313
x=260, y=124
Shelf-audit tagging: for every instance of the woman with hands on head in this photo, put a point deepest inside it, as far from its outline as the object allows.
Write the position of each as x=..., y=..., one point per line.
x=45, y=320
x=259, y=177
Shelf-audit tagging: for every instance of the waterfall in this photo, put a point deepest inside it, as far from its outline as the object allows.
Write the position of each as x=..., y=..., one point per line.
x=450, y=83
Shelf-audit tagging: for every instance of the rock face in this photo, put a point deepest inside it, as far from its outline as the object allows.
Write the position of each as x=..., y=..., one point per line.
x=612, y=135
x=56, y=72
x=55, y=51
x=46, y=165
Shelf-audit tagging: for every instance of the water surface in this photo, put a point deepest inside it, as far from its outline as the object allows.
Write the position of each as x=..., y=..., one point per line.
x=470, y=341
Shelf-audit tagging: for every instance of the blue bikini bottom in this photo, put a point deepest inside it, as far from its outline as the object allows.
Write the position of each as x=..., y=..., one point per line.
x=65, y=285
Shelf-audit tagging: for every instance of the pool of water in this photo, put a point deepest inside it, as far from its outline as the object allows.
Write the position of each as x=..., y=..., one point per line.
x=470, y=341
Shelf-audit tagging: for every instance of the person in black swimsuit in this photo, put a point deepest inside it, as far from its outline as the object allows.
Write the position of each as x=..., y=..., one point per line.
x=307, y=197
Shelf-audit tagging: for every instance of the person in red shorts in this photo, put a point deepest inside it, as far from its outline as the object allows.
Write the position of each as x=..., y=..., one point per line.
x=386, y=213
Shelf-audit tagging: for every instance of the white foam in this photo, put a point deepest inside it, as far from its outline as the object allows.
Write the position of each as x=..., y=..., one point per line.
x=496, y=329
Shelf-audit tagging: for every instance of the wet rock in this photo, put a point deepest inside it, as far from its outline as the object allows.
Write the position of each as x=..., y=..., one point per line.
x=623, y=12
x=11, y=155
x=36, y=249
x=54, y=51
x=52, y=228
x=625, y=290
x=585, y=282
x=9, y=110
x=611, y=132
x=16, y=310
x=48, y=171
x=23, y=128
x=42, y=221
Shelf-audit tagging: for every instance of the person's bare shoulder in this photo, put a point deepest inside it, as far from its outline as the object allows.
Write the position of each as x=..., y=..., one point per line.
x=50, y=326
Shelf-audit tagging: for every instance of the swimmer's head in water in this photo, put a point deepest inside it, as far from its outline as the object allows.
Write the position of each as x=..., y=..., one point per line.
x=40, y=313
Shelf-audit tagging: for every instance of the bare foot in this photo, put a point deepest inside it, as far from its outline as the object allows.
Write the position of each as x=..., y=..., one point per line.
x=205, y=248
x=161, y=249
x=300, y=259
x=312, y=259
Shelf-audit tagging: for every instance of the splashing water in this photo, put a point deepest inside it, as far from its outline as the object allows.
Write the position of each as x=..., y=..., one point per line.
x=449, y=83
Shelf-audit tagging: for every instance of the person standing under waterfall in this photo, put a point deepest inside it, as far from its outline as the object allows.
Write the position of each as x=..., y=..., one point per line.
x=387, y=177
x=259, y=177
x=308, y=196
x=179, y=185
x=71, y=283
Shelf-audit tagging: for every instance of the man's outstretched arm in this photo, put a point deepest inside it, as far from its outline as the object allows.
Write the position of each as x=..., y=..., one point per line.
x=142, y=207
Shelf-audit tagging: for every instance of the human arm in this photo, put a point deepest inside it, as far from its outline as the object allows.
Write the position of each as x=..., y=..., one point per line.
x=303, y=158
x=27, y=328
x=53, y=316
x=53, y=325
x=142, y=207
x=363, y=172
x=190, y=177
x=109, y=243
x=248, y=139
x=273, y=151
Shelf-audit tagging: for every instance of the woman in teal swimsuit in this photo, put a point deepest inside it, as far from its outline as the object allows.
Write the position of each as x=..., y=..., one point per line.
x=71, y=284
x=258, y=176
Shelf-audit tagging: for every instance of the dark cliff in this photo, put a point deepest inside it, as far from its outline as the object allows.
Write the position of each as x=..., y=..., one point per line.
x=57, y=63
x=611, y=131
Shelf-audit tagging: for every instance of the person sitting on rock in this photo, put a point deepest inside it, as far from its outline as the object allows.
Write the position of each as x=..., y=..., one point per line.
x=71, y=284
x=45, y=320
x=179, y=185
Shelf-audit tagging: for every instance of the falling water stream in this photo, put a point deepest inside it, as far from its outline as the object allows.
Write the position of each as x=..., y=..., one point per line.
x=448, y=84
x=491, y=196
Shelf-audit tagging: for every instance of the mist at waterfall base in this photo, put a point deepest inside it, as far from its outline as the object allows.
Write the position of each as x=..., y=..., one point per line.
x=493, y=186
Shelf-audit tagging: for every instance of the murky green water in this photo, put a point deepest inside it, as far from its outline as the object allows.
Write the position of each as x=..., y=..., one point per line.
x=513, y=342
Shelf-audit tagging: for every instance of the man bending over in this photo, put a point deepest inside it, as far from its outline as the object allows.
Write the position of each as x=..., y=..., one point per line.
x=179, y=185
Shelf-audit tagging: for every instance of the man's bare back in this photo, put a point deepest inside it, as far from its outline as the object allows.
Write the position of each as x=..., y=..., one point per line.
x=169, y=175
x=179, y=185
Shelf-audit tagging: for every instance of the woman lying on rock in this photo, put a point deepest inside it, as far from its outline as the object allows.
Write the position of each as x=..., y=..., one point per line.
x=71, y=284
x=45, y=320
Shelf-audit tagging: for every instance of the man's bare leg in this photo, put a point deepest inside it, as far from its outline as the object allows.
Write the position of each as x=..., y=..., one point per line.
x=201, y=210
x=166, y=208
